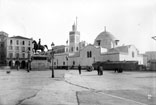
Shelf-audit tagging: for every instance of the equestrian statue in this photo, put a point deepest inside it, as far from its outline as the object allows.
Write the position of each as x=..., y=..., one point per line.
x=38, y=46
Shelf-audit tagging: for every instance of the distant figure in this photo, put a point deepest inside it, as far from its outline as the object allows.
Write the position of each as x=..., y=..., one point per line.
x=17, y=65
x=28, y=66
x=101, y=70
x=98, y=70
x=79, y=67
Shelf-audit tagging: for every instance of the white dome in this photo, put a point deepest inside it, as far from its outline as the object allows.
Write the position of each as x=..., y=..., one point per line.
x=106, y=40
x=105, y=35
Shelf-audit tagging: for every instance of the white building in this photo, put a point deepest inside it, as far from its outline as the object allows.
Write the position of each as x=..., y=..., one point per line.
x=17, y=48
x=105, y=48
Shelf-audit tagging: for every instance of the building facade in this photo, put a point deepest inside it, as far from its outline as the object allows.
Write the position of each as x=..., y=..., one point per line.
x=151, y=59
x=3, y=38
x=15, y=50
x=105, y=48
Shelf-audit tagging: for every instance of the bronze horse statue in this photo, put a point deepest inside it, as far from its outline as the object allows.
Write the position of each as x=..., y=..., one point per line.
x=38, y=46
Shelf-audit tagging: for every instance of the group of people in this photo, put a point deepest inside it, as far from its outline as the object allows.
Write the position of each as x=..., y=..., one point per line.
x=99, y=70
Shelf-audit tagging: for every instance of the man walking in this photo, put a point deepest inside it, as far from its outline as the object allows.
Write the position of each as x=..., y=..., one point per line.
x=79, y=67
x=101, y=70
x=98, y=70
x=17, y=65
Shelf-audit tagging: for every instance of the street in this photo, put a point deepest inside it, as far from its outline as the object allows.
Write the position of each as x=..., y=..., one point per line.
x=70, y=88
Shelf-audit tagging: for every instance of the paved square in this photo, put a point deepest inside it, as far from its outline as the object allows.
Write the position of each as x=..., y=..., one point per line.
x=70, y=88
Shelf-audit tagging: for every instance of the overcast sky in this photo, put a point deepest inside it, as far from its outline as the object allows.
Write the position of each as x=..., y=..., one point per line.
x=130, y=21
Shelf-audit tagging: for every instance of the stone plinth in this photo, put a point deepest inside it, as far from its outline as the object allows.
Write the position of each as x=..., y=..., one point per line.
x=39, y=62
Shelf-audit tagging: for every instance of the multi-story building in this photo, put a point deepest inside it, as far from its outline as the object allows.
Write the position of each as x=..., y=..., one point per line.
x=18, y=49
x=3, y=38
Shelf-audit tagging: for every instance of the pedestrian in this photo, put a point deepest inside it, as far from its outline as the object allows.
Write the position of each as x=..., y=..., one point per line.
x=101, y=70
x=79, y=67
x=98, y=70
x=17, y=65
x=28, y=66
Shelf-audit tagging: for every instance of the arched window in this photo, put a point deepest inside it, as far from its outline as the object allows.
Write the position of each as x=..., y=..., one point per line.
x=17, y=42
x=23, y=42
x=90, y=53
x=77, y=48
x=87, y=54
x=98, y=42
x=29, y=43
x=10, y=41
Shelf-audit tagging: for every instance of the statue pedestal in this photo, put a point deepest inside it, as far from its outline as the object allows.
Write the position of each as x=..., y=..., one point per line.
x=39, y=62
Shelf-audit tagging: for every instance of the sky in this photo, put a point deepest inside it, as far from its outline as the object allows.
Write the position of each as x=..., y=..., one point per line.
x=130, y=21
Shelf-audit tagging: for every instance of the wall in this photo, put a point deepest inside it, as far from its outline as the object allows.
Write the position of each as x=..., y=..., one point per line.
x=95, y=55
x=111, y=57
x=81, y=58
x=75, y=59
x=151, y=55
x=131, y=57
x=153, y=65
x=39, y=65
x=14, y=45
x=59, y=59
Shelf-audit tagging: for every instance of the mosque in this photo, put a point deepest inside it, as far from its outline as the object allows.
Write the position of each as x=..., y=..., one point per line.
x=104, y=48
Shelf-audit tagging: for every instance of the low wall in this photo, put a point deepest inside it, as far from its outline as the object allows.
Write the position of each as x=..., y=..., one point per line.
x=39, y=64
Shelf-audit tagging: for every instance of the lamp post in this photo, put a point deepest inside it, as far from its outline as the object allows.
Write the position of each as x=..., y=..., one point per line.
x=29, y=60
x=52, y=59
x=67, y=62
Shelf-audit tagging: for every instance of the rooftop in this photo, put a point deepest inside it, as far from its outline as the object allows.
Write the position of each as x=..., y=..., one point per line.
x=21, y=37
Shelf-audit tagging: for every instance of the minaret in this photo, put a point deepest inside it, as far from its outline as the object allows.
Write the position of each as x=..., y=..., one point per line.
x=74, y=38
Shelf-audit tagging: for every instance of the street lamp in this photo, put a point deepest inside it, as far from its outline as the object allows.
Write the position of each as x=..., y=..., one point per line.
x=52, y=59
x=67, y=62
x=29, y=60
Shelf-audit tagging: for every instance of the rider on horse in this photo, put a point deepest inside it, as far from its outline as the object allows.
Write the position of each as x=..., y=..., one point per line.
x=38, y=46
x=39, y=43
